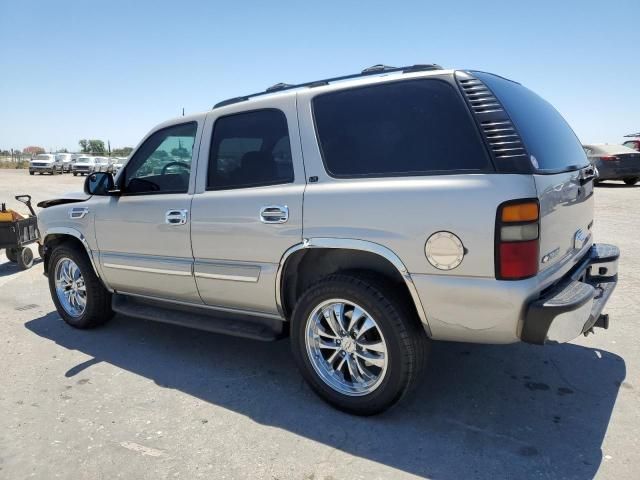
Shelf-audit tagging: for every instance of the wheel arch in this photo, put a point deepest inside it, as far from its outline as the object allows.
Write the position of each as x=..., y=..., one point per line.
x=57, y=235
x=329, y=255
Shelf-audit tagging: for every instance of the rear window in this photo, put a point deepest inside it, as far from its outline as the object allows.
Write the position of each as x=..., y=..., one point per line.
x=633, y=145
x=548, y=138
x=411, y=127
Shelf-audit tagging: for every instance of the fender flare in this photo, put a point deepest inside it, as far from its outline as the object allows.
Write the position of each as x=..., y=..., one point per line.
x=72, y=232
x=352, y=244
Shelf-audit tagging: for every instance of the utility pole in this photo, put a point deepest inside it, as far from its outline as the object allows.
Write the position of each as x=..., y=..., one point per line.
x=183, y=111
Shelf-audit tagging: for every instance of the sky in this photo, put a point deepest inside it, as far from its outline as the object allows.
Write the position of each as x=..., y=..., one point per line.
x=111, y=70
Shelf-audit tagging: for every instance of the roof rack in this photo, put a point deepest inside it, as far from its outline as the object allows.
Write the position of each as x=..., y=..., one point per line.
x=373, y=70
x=632, y=135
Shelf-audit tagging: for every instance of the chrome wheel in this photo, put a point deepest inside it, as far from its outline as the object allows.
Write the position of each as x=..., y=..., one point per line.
x=70, y=287
x=346, y=347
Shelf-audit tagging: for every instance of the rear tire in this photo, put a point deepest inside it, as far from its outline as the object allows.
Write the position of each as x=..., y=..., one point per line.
x=32, y=173
x=631, y=181
x=398, y=343
x=97, y=299
x=75, y=174
x=24, y=258
x=12, y=254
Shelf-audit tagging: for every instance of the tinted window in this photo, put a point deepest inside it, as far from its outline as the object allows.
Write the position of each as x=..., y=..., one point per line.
x=163, y=163
x=546, y=135
x=401, y=128
x=250, y=149
x=633, y=145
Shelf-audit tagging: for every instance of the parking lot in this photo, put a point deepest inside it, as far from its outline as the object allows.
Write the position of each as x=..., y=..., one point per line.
x=136, y=399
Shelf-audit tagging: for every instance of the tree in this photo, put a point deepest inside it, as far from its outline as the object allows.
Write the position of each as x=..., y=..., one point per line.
x=160, y=154
x=62, y=150
x=122, y=152
x=96, y=146
x=91, y=146
x=180, y=152
x=33, y=150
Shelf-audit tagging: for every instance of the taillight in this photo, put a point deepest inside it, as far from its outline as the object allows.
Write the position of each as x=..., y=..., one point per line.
x=608, y=158
x=517, y=239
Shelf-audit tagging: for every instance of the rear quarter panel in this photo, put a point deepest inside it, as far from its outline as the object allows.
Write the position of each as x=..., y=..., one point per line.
x=402, y=213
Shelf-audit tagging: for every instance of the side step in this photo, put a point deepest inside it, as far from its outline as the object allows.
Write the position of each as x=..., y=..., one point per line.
x=200, y=318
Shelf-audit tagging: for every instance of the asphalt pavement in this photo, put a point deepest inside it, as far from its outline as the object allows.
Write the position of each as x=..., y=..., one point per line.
x=136, y=399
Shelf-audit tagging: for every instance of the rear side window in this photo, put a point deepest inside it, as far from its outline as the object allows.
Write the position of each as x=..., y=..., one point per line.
x=548, y=138
x=411, y=127
x=250, y=149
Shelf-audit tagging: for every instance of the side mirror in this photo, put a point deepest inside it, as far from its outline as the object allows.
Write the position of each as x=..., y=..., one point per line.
x=99, y=183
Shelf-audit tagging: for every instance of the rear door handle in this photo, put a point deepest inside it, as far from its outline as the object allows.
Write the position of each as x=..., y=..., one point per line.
x=274, y=214
x=176, y=217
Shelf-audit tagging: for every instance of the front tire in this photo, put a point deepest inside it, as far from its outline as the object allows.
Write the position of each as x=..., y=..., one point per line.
x=631, y=181
x=77, y=292
x=362, y=365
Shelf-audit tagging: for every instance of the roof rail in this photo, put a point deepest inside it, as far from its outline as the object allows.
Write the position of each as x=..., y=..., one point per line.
x=373, y=70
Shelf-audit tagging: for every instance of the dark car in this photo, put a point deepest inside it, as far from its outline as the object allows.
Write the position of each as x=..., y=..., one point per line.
x=615, y=162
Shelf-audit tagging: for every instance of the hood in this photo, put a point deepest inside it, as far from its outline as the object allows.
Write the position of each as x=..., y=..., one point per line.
x=42, y=160
x=71, y=197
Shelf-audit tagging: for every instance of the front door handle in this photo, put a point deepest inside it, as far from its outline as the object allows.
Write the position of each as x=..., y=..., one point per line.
x=274, y=214
x=176, y=217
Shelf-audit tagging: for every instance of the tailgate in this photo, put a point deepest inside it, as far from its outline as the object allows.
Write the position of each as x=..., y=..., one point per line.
x=566, y=218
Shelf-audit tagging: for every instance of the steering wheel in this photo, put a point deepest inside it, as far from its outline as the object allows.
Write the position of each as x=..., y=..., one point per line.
x=186, y=166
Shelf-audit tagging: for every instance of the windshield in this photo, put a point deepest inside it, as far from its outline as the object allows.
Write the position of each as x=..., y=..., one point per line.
x=549, y=139
x=85, y=160
x=42, y=157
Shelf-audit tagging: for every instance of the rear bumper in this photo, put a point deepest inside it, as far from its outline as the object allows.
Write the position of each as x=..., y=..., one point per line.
x=614, y=172
x=574, y=305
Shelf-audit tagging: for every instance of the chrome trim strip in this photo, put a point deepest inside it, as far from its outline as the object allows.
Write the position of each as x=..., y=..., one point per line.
x=219, y=276
x=206, y=307
x=162, y=271
x=352, y=244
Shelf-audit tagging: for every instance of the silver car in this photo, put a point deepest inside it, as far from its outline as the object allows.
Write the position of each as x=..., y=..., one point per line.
x=66, y=159
x=45, y=163
x=364, y=216
x=83, y=165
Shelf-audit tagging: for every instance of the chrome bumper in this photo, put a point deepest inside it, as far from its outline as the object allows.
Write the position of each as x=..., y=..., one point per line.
x=574, y=305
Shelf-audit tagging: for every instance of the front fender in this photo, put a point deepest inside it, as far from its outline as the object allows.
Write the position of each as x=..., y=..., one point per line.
x=57, y=234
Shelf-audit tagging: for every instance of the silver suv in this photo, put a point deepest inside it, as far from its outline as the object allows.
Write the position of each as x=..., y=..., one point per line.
x=363, y=216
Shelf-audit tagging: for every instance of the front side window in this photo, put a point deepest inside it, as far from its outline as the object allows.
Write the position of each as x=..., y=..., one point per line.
x=163, y=163
x=412, y=127
x=250, y=149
